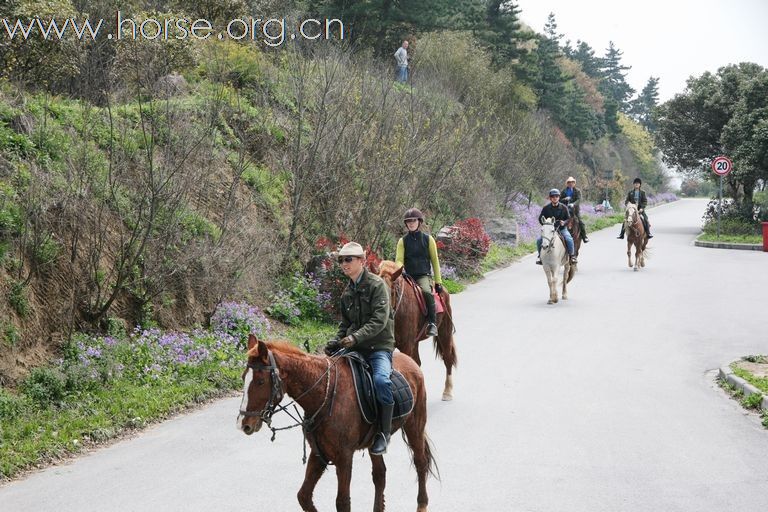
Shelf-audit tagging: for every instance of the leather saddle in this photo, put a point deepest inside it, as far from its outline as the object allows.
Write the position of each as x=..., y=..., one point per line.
x=364, y=390
x=420, y=296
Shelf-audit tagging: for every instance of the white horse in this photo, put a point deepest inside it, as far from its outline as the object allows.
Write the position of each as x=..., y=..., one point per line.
x=554, y=254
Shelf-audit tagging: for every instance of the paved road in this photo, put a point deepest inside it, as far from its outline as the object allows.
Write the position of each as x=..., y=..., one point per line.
x=603, y=403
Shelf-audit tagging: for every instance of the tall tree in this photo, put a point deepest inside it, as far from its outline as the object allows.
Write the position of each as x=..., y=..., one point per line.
x=499, y=31
x=585, y=55
x=614, y=84
x=642, y=106
x=550, y=80
x=723, y=113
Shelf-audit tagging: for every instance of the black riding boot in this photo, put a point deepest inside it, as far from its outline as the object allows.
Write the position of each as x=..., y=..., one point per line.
x=647, y=229
x=385, y=427
x=583, y=230
x=431, y=314
x=622, y=232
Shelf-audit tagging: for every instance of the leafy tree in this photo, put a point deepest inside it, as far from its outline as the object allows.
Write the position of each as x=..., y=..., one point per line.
x=614, y=85
x=723, y=113
x=643, y=105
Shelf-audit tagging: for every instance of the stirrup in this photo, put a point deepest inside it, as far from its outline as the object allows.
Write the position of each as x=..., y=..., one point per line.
x=431, y=329
x=380, y=444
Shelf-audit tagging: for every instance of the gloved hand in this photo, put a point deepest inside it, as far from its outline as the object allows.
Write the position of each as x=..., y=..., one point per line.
x=332, y=347
x=347, y=341
x=438, y=288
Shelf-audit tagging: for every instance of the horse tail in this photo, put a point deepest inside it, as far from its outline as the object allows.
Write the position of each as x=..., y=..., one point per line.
x=428, y=449
x=571, y=272
x=443, y=343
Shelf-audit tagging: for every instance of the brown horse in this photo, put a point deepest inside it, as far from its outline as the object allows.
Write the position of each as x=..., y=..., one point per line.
x=334, y=426
x=574, y=226
x=411, y=326
x=636, y=235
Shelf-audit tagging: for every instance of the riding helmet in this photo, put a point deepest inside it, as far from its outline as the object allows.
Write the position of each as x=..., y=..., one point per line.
x=413, y=213
x=637, y=180
x=554, y=192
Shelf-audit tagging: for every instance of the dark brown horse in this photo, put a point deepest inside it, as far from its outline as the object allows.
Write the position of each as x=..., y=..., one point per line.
x=636, y=235
x=411, y=326
x=574, y=226
x=333, y=426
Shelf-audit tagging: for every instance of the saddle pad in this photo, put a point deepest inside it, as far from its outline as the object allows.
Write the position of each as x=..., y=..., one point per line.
x=361, y=376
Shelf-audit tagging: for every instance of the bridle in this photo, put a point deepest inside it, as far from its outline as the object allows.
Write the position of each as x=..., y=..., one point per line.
x=276, y=392
x=550, y=240
x=396, y=293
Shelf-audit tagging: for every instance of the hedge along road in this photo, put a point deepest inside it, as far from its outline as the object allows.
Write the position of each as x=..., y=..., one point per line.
x=604, y=402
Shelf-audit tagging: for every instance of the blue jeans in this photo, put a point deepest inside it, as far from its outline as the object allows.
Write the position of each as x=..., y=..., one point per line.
x=381, y=368
x=402, y=74
x=568, y=241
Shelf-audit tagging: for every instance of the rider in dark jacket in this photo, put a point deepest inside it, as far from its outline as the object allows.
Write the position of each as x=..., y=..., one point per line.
x=638, y=197
x=367, y=326
x=559, y=212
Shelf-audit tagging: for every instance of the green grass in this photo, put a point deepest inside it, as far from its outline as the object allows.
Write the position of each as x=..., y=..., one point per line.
x=309, y=333
x=31, y=434
x=598, y=223
x=452, y=286
x=760, y=383
x=736, y=239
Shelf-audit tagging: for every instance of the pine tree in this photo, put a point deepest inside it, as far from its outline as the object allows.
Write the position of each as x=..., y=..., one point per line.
x=585, y=55
x=614, y=84
x=550, y=80
x=499, y=31
x=643, y=105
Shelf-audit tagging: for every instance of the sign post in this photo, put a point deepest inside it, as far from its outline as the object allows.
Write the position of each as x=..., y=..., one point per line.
x=722, y=166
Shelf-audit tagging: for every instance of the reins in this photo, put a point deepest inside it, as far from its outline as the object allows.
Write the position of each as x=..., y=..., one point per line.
x=273, y=406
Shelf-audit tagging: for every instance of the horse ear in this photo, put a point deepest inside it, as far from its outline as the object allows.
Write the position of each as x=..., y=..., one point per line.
x=397, y=273
x=252, y=341
x=542, y=220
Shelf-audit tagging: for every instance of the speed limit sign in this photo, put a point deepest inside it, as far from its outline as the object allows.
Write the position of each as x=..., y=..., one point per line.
x=722, y=165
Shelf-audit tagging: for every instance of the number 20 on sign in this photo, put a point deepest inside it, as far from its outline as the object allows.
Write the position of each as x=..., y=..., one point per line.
x=722, y=165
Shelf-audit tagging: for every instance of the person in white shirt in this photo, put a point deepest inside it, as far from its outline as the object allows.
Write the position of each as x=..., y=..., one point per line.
x=401, y=57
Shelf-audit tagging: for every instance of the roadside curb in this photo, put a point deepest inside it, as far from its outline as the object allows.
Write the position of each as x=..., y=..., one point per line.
x=728, y=245
x=726, y=374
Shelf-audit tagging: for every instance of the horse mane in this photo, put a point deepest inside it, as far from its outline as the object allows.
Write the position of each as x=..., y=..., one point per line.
x=282, y=346
x=387, y=268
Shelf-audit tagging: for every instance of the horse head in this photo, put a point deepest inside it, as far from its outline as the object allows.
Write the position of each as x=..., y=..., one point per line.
x=547, y=231
x=262, y=388
x=630, y=215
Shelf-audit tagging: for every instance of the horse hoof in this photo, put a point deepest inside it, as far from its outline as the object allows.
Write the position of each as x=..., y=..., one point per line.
x=635, y=269
x=447, y=397
x=550, y=301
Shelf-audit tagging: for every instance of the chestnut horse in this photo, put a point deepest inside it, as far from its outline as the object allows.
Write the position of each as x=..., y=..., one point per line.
x=636, y=235
x=333, y=426
x=574, y=226
x=411, y=326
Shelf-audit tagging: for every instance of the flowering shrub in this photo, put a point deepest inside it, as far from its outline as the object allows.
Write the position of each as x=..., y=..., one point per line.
x=300, y=298
x=448, y=272
x=468, y=245
x=238, y=319
x=332, y=280
x=664, y=197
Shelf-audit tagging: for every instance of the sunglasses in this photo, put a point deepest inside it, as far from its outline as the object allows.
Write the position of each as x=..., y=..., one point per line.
x=346, y=259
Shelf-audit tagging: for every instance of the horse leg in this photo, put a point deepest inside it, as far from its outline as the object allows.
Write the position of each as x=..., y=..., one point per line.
x=629, y=252
x=422, y=455
x=315, y=469
x=447, y=350
x=637, y=257
x=379, y=472
x=344, y=479
x=566, y=271
x=548, y=273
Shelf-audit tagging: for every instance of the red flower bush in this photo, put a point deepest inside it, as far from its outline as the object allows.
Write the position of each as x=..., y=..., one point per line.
x=467, y=246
